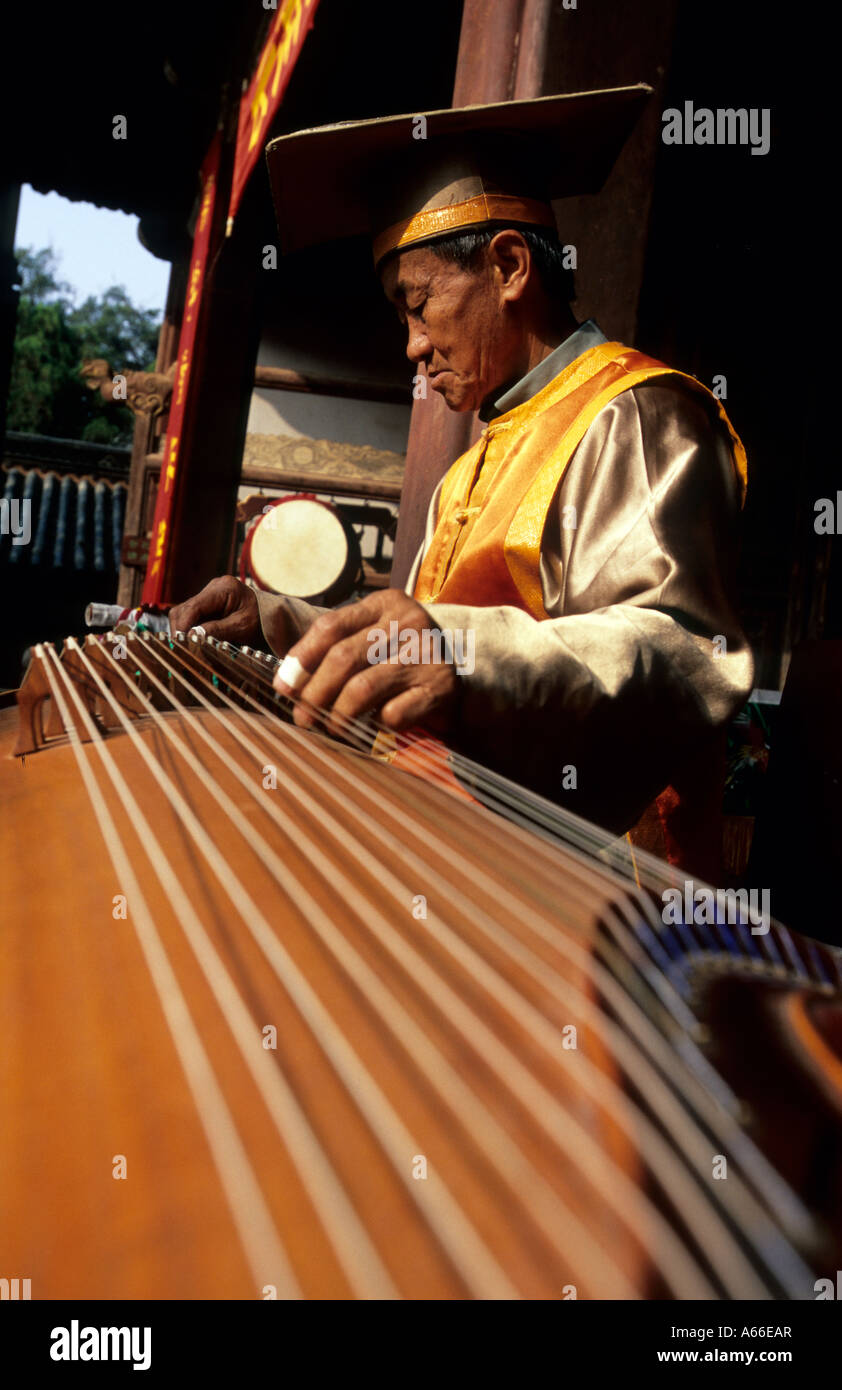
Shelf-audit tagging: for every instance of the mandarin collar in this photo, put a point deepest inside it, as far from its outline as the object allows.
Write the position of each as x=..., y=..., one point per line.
x=588, y=335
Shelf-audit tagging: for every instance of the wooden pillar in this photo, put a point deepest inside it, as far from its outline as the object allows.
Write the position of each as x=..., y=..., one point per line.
x=223, y=377
x=223, y=359
x=493, y=64
x=532, y=48
x=602, y=44
x=9, y=199
x=147, y=440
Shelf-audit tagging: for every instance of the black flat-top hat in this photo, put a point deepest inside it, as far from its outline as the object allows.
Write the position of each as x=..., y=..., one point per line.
x=407, y=179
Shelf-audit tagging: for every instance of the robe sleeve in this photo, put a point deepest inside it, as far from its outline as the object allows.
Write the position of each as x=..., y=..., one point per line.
x=281, y=615
x=642, y=656
x=276, y=611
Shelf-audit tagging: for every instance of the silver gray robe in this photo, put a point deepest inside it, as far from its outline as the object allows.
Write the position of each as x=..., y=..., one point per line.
x=641, y=660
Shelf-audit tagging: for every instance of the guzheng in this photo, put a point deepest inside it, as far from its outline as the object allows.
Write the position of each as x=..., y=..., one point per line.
x=297, y=1015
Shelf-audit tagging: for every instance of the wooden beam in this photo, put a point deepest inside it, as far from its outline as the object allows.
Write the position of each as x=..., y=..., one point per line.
x=285, y=379
x=340, y=484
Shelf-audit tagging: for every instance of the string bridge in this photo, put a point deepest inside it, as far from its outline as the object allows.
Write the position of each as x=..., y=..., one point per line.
x=125, y=661
x=40, y=723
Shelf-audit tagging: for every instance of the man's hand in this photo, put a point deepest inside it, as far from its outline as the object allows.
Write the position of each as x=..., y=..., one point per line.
x=354, y=666
x=225, y=608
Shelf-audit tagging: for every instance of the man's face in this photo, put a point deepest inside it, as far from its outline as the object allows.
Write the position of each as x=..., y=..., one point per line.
x=457, y=322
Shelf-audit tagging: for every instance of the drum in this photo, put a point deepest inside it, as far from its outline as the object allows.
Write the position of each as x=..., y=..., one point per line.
x=302, y=547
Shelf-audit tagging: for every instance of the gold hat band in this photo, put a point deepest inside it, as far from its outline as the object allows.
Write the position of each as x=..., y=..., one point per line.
x=485, y=207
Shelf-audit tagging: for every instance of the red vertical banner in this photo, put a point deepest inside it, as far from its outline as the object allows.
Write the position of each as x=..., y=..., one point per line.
x=264, y=94
x=258, y=108
x=153, y=585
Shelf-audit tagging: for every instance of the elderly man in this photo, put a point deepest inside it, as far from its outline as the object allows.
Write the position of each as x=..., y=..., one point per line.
x=585, y=541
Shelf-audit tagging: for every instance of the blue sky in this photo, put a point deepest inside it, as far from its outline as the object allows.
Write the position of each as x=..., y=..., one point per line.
x=96, y=248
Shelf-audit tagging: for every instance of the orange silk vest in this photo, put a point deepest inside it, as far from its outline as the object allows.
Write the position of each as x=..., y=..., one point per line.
x=495, y=498
x=486, y=548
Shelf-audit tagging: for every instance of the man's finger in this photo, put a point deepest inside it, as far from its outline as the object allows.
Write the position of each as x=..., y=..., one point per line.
x=419, y=703
x=367, y=691
x=341, y=663
x=185, y=615
x=228, y=629
x=331, y=628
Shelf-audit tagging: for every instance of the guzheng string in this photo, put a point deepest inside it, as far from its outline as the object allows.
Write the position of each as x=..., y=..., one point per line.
x=363, y=1267
x=463, y=869
x=326, y=792
x=706, y=939
x=486, y=1262
x=176, y=704
x=512, y=845
x=518, y=804
x=566, y=1130
x=472, y=1259
x=251, y=1216
x=696, y=1148
x=533, y=812
x=549, y=1212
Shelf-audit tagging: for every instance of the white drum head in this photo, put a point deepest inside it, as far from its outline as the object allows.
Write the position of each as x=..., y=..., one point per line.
x=299, y=548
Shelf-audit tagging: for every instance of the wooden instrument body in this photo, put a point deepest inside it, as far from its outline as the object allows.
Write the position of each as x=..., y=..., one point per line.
x=358, y=1038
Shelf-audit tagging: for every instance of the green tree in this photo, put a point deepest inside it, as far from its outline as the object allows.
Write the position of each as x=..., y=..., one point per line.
x=113, y=327
x=53, y=336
